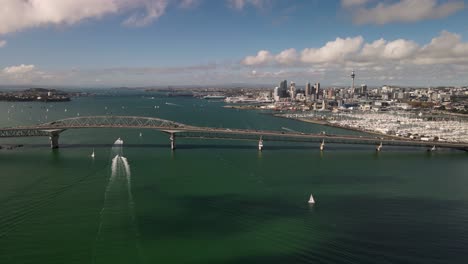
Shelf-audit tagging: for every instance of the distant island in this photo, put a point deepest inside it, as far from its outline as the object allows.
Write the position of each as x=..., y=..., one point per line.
x=39, y=95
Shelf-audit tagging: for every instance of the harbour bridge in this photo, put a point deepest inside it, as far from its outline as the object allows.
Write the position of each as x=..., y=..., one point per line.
x=179, y=130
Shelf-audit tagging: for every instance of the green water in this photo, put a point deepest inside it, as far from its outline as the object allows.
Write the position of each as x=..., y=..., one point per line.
x=221, y=201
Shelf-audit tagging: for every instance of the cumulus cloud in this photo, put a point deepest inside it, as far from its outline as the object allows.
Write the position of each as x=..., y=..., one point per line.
x=152, y=10
x=443, y=49
x=333, y=51
x=447, y=48
x=24, y=73
x=18, y=15
x=401, y=11
x=263, y=57
x=19, y=69
x=288, y=56
x=2, y=43
x=240, y=4
x=394, y=50
x=188, y=3
x=349, y=3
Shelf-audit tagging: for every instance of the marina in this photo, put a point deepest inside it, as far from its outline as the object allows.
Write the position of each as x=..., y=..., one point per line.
x=399, y=125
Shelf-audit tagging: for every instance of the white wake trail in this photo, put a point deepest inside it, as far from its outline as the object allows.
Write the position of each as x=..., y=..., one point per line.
x=117, y=216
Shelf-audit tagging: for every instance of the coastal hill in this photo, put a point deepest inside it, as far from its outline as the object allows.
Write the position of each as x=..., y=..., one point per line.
x=37, y=94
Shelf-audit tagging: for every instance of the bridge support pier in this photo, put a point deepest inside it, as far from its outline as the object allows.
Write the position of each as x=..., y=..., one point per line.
x=172, y=138
x=54, y=137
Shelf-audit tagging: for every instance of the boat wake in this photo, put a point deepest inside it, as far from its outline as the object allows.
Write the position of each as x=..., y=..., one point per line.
x=172, y=104
x=117, y=237
x=289, y=130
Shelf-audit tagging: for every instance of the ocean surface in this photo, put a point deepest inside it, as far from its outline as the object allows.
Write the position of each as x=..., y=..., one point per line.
x=220, y=201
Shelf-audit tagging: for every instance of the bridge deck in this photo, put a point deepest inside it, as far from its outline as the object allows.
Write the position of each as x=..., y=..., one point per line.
x=186, y=131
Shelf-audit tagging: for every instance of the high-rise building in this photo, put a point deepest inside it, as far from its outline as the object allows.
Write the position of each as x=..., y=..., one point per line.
x=363, y=88
x=317, y=88
x=352, y=77
x=283, y=89
x=308, y=90
x=276, y=95
x=292, y=90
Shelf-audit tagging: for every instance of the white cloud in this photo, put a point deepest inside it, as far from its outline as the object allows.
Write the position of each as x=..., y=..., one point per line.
x=153, y=9
x=263, y=57
x=189, y=3
x=288, y=56
x=3, y=43
x=404, y=11
x=25, y=73
x=394, y=50
x=18, y=15
x=334, y=51
x=20, y=69
x=241, y=4
x=444, y=49
x=349, y=3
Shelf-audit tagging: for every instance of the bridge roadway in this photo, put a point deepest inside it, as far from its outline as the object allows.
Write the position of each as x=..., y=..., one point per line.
x=179, y=130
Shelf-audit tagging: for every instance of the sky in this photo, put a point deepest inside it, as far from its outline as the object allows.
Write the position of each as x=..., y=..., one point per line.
x=99, y=43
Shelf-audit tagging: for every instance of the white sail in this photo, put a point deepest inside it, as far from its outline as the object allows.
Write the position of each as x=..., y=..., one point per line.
x=379, y=147
x=92, y=154
x=311, y=199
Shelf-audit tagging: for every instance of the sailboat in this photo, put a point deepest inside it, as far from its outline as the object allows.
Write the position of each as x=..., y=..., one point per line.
x=141, y=134
x=92, y=154
x=311, y=200
x=322, y=145
x=379, y=147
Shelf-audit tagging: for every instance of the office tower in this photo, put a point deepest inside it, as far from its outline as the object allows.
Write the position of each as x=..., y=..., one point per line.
x=276, y=94
x=308, y=89
x=363, y=88
x=317, y=88
x=292, y=90
x=283, y=89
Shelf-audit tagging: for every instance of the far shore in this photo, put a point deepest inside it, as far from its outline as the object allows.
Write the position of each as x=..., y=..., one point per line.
x=326, y=123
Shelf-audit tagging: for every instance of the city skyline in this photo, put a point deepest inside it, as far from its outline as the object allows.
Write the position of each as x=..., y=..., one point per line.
x=203, y=42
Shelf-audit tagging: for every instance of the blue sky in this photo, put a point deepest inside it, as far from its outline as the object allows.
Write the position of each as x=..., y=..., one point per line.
x=162, y=42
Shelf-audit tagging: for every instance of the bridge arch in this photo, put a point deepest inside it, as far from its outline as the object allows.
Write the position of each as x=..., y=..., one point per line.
x=114, y=121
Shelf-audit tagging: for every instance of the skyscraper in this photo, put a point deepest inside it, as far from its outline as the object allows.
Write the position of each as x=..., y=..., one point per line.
x=276, y=95
x=308, y=90
x=363, y=88
x=352, y=77
x=317, y=88
x=292, y=90
x=283, y=88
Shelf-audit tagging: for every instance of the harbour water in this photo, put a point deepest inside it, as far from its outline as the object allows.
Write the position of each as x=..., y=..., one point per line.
x=220, y=201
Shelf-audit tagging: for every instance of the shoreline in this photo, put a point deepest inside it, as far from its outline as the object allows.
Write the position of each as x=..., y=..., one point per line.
x=326, y=123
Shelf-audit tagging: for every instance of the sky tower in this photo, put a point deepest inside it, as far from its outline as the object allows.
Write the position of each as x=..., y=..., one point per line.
x=352, y=77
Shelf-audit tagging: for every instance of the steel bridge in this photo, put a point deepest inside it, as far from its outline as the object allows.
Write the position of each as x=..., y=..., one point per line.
x=179, y=130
